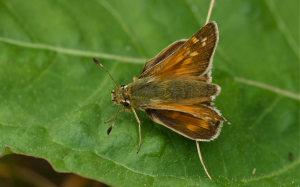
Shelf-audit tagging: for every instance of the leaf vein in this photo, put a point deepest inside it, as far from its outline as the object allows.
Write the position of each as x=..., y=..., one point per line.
x=282, y=27
x=74, y=52
x=13, y=14
x=277, y=90
x=123, y=25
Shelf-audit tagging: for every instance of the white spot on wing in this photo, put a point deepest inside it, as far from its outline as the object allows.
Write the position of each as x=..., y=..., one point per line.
x=195, y=40
x=195, y=53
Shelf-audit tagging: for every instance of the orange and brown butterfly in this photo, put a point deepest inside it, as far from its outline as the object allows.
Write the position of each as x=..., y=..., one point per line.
x=175, y=89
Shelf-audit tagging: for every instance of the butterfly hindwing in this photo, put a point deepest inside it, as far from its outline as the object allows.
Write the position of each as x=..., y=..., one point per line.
x=202, y=111
x=193, y=59
x=186, y=124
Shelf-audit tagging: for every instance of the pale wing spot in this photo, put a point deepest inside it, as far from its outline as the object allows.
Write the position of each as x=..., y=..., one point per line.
x=195, y=40
x=192, y=127
x=195, y=128
x=195, y=53
x=179, y=59
x=188, y=60
x=203, y=39
x=205, y=125
x=181, y=55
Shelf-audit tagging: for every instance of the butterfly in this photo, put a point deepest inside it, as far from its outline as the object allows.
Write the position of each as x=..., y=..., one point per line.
x=175, y=89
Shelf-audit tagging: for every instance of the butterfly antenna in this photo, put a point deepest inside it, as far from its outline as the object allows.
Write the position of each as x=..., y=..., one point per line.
x=211, y=6
x=101, y=65
x=201, y=160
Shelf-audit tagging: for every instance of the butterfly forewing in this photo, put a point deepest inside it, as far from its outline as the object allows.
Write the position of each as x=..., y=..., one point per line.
x=192, y=60
x=171, y=49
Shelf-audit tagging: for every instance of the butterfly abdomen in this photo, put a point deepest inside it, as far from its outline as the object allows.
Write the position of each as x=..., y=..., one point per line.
x=182, y=89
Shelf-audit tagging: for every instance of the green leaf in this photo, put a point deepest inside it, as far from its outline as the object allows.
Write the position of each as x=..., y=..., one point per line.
x=54, y=99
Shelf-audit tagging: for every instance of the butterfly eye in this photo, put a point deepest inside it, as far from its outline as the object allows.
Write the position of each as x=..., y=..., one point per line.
x=126, y=103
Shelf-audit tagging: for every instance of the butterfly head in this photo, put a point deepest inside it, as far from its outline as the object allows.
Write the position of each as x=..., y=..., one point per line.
x=120, y=96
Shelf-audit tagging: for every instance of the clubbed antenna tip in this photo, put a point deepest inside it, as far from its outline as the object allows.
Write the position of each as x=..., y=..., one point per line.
x=97, y=62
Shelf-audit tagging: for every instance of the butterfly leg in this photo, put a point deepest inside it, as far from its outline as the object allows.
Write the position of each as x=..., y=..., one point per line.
x=114, y=117
x=140, y=130
x=201, y=159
